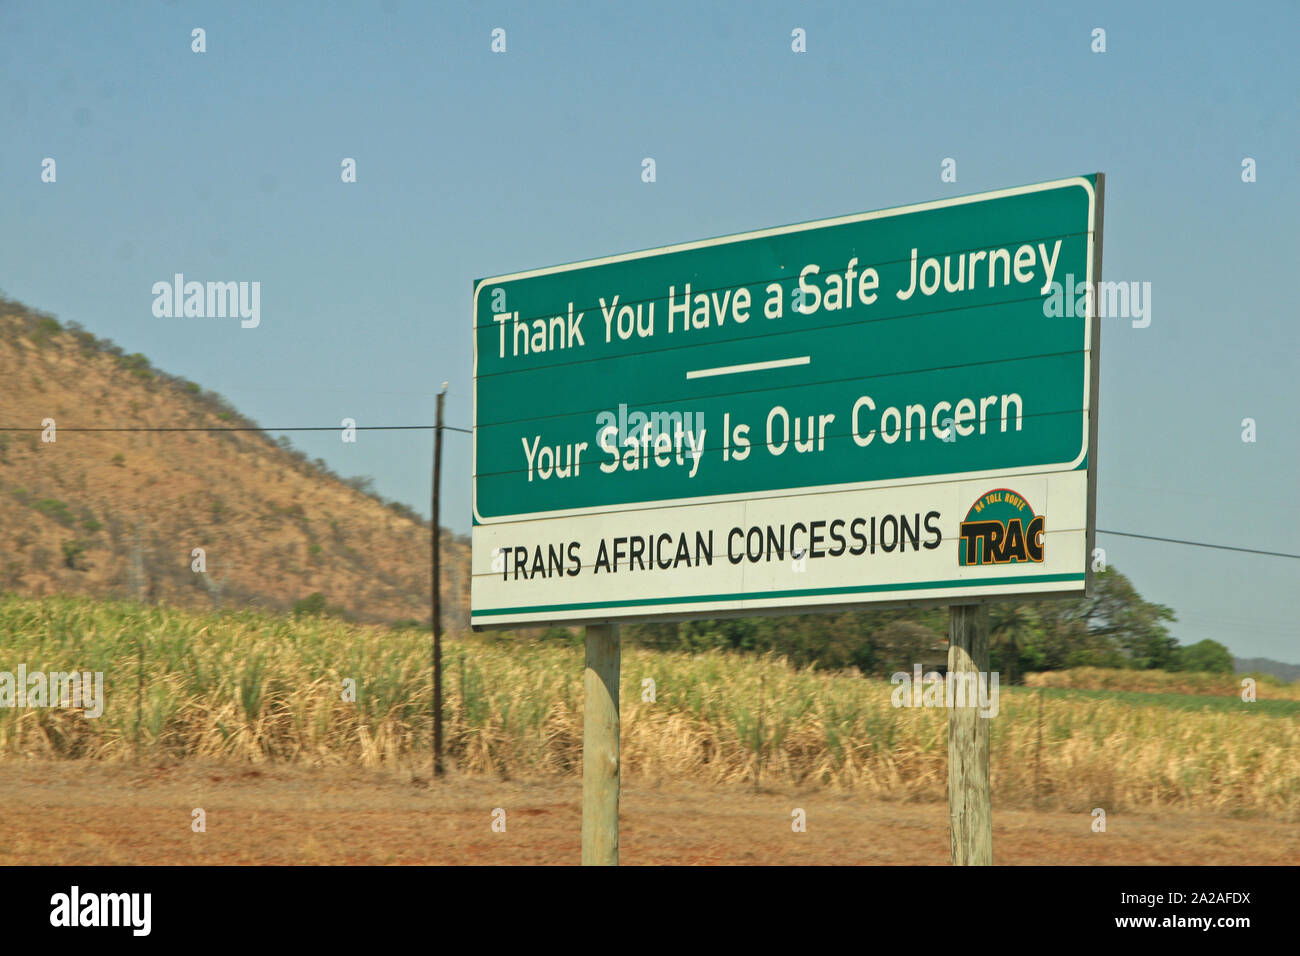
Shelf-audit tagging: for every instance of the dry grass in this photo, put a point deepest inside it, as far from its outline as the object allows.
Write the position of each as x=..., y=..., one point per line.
x=1163, y=682
x=261, y=688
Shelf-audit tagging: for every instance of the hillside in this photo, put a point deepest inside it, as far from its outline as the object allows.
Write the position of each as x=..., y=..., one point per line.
x=1287, y=673
x=118, y=513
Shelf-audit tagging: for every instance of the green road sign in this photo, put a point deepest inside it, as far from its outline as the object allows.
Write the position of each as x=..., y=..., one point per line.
x=633, y=413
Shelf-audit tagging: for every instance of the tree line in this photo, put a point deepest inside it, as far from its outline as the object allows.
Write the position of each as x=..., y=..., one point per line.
x=1114, y=627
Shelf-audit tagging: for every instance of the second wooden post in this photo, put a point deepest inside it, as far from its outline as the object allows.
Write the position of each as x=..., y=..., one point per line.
x=970, y=798
x=600, y=747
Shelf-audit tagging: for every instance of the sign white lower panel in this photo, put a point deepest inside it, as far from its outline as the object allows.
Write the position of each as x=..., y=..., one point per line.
x=884, y=545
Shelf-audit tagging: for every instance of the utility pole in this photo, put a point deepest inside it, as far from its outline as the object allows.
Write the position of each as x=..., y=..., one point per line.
x=138, y=587
x=436, y=544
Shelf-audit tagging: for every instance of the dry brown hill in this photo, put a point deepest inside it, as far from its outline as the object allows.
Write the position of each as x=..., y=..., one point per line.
x=118, y=513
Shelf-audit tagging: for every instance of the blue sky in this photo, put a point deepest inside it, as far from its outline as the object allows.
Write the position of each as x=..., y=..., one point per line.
x=225, y=165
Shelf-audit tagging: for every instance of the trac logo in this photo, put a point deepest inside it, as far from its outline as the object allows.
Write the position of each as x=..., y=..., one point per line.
x=1001, y=528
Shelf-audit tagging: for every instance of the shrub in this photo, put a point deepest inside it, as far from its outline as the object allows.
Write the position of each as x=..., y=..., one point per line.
x=137, y=365
x=72, y=550
x=45, y=327
x=1205, y=657
x=563, y=635
x=362, y=483
x=56, y=509
x=315, y=605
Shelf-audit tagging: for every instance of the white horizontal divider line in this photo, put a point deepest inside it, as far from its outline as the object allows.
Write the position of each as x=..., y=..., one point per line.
x=750, y=367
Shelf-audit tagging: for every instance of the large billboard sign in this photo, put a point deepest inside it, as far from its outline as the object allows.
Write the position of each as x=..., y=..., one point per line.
x=883, y=408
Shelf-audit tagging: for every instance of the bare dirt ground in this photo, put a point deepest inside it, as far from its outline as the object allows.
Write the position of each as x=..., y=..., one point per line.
x=79, y=812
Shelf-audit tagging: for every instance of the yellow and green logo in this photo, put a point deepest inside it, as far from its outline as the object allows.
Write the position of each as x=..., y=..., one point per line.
x=1001, y=528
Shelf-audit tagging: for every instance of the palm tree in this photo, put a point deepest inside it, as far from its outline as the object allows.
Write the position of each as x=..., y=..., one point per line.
x=1011, y=626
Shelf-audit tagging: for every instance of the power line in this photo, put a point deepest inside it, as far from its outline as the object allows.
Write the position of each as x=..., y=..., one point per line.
x=234, y=428
x=468, y=431
x=1199, y=544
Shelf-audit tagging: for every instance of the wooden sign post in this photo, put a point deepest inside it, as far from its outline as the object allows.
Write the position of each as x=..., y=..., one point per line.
x=970, y=799
x=600, y=747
